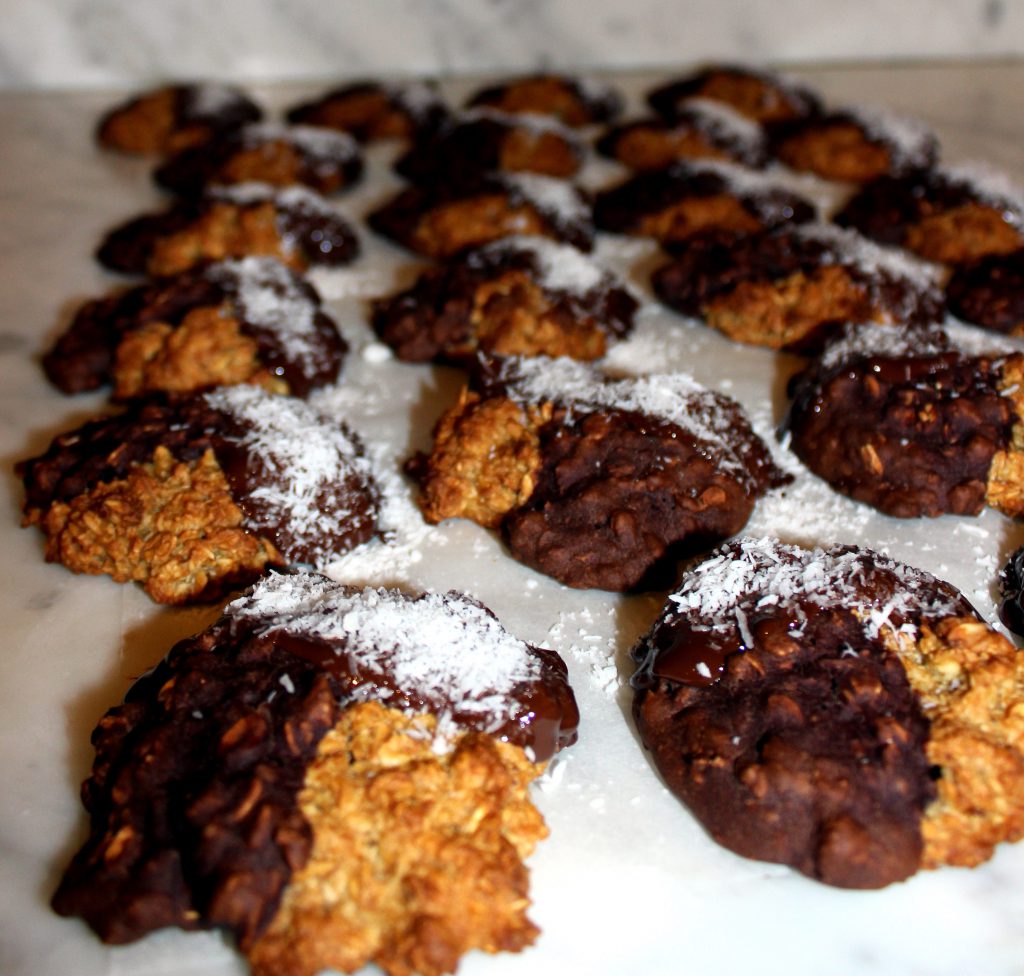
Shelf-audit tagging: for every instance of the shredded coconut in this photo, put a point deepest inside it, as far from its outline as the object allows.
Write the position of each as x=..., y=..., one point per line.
x=561, y=266
x=209, y=99
x=558, y=200
x=910, y=141
x=322, y=145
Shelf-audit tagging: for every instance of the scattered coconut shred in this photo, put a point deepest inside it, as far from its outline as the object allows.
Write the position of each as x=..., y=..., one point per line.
x=445, y=651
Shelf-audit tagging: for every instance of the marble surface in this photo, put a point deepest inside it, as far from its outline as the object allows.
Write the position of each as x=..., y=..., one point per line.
x=627, y=881
x=95, y=43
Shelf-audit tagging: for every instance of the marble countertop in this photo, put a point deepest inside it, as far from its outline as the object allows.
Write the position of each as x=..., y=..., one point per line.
x=627, y=882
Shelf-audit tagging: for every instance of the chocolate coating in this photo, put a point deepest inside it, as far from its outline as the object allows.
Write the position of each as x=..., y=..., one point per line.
x=990, y=293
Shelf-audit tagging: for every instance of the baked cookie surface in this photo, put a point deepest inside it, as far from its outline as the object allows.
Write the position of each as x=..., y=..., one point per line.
x=573, y=101
x=171, y=118
x=334, y=775
x=696, y=197
x=279, y=155
x=836, y=711
x=196, y=496
x=518, y=296
x=599, y=483
x=238, y=321
x=913, y=422
x=792, y=287
x=293, y=224
x=441, y=219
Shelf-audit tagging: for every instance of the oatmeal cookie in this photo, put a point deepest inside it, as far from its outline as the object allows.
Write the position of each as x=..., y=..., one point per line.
x=695, y=197
x=238, y=321
x=278, y=155
x=913, y=421
x=953, y=215
x=836, y=711
x=597, y=482
x=174, y=117
x=485, y=140
x=518, y=296
x=294, y=224
x=371, y=111
x=701, y=129
x=335, y=776
x=573, y=101
x=195, y=496
x=855, y=145
x=440, y=220
x=790, y=288
x=764, y=96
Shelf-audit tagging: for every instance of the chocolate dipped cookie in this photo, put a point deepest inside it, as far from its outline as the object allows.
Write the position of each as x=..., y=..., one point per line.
x=517, y=296
x=596, y=482
x=573, y=101
x=251, y=320
x=294, y=224
x=195, y=496
x=913, y=421
x=334, y=776
x=990, y=293
x=792, y=287
x=836, y=711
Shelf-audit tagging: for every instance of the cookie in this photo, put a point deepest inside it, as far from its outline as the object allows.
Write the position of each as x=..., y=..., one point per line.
x=278, y=155
x=485, y=140
x=335, y=776
x=174, y=117
x=855, y=145
x=700, y=129
x=596, y=482
x=913, y=421
x=763, y=96
x=195, y=496
x=573, y=101
x=790, y=288
x=1011, y=593
x=836, y=711
x=371, y=111
x=689, y=198
x=295, y=225
x=238, y=321
x=990, y=293
x=518, y=296
x=952, y=215
x=439, y=220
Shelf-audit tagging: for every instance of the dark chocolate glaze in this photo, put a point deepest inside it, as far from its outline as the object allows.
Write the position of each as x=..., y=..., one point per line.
x=193, y=794
x=804, y=742
x=426, y=320
x=1011, y=593
x=621, y=208
x=933, y=424
x=82, y=357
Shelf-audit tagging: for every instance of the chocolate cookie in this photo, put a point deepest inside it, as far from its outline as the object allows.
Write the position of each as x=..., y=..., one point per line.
x=335, y=776
x=990, y=293
x=246, y=321
x=790, y=288
x=484, y=140
x=518, y=296
x=913, y=422
x=371, y=110
x=689, y=198
x=701, y=129
x=278, y=155
x=1011, y=593
x=440, y=220
x=764, y=96
x=293, y=224
x=573, y=101
x=195, y=496
x=597, y=482
x=174, y=117
x=954, y=215
x=855, y=145
x=836, y=711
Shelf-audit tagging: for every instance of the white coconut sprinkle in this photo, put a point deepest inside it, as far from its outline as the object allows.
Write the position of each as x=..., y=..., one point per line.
x=561, y=266
x=910, y=141
x=210, y=99
x=444, y=650
x=557, y=199
x=320, y=144
x=288, y=198
x=534, y=122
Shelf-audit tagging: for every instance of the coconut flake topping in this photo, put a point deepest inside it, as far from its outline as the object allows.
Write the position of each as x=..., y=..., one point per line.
x=561, y=266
